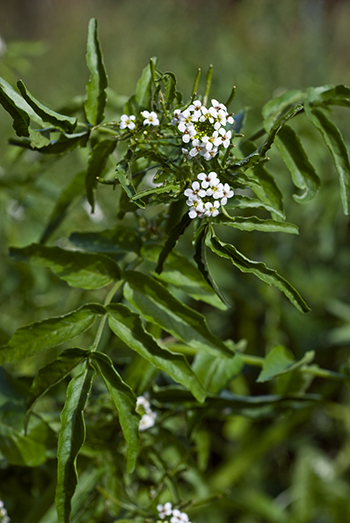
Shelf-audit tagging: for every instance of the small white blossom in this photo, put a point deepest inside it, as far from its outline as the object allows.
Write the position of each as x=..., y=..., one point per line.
x=179, y=517
x=223, y=138
x=227, y=193
x=208, y=180
x=211, y=208
x=195, y=192
x=147, y=421
x=127, y=121
x=150, y=118
x=148, y=417
x=165, y=510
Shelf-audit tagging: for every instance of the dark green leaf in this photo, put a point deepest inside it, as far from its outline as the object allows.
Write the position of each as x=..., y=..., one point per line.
x=259, y=269
x=98, y=159
x=67, y=197
x=125, y=401
x=169, y=80
x=128, y=327
x=303, y=173
x=59, y=121
x=181, y=273
x=156, y=190
x=329, y=95
x=52, y=374
x=256, y=224
x=78, y=269
x=157, y=305
x=215, y=372
x=335, y=143
x=21, y=450
x=173, y=237
x=244, y=202
x=97, y=84
x=118, y=241
x=71, y=439
x=277, y=126
x=279, y=361
x=65, y=143
x=37, y=337
x=125, y=181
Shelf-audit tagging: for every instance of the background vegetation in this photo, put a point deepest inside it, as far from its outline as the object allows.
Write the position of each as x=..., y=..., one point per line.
x=298, y=463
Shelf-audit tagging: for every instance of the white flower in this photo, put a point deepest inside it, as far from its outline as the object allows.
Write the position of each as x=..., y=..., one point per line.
x=179, y=517
x=227, y=192
x=211, y=208
x=216, y=191
x=208, y=180
x=176, y=117
x=143, y=405
x=224, y=138
x=218, y=106
x=127, y=121
x=150, y=118
x=198, y=148
x=165, y=510
x=147, y=421
x=195, y=193
x=188, y=134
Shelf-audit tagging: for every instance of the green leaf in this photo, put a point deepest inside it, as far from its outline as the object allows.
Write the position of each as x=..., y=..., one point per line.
x=259, y=269
x=95, y=88
x=21, y=450
x=98, y=159
x=66, y=198
x=329, y=95
x=169, y=80
x=144, y=86
x=18, y=108
x=244, y=202
x=71, y=439
x=60, y=121
x=273, y=110
x=65, y=143
x=180, y=272
x=128, y=327
x=118, y=241
x=52, y=374
x=78, y=269
x=156, y=190
x=280, y=361
x=157, y=305
x=200, y=257
x=335, y=143
x=172, y=239
x=39, y=336
x=303, y=173
x=215, y=372
x=125, y=401
x=126, y=182
x=256, y=224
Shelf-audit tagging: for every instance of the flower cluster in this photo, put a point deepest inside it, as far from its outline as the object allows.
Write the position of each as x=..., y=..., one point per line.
x=148, y=417
x=128, y=121
x=206, y=195
x=204, y=129
x=174, y=514
x=3, y=513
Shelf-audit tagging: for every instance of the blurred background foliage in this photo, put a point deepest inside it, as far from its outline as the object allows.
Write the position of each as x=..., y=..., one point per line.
x=299, y=463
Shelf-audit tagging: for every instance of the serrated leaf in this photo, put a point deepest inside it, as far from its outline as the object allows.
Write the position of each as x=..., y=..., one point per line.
x=215, y=372
x=125, y=402
x=78, y=269
x=71, y=439
x=39, y=336
x=128, y=327
x=118, y=241
x=157, y=305
x=66, y=198
x=97, y=84
x=200, y=257
x=98, y=159
x=244, y=202
x=52, y=374
x=181, y=273
x=335, y=143
x=280, y=361
x=303, y=173
x=172, y=239
x=273, y=110
x=256, y=224
x=259, y=269
x=60, y=121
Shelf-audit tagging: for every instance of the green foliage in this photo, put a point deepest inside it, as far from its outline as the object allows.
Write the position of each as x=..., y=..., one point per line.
x=154, y=307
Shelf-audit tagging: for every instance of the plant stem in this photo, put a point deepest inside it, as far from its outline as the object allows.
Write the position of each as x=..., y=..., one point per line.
x=107, y=301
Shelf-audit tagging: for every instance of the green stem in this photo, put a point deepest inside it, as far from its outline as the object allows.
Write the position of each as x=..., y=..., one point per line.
x=208, y=84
